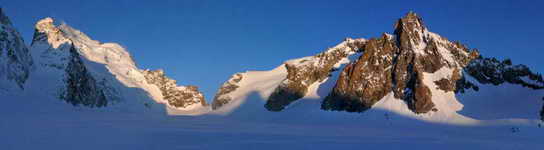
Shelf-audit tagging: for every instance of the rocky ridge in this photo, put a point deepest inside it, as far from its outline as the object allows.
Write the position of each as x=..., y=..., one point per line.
x=308, y=70
x=15, y=59
x=222, y=96
x=174, y=95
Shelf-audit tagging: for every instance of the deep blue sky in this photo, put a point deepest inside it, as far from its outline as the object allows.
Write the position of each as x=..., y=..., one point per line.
x=203, y=42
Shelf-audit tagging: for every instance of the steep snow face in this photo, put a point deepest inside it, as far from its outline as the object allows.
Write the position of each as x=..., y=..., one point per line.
x=74, y=67
x=15, y=59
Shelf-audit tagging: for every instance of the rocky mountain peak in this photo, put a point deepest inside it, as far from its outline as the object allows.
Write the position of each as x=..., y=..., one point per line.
x=3, y=18
x=411, y=33
x=410, y=23
x=47, y=31
x=46, y=25
x=399, y=63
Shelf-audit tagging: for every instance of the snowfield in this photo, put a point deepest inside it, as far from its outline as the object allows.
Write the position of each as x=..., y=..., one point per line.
x=38, y=123
x=44, y=122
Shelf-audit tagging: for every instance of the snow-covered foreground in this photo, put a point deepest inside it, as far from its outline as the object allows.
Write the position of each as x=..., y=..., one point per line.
x=22, y=128
x=43, y=122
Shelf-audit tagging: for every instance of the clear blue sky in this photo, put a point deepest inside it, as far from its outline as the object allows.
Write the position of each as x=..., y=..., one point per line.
x=203, y=42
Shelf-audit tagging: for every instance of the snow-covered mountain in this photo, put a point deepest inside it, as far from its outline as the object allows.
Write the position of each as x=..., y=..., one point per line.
x=412, y=72
x=15, y=60
x=83, y=72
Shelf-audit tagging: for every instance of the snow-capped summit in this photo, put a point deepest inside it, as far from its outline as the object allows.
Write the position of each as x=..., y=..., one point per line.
x=15, y=59
x=92, y=73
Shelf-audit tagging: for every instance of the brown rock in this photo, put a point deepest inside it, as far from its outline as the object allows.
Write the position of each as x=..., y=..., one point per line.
x=364, y=82
x=176, y=96
x=411, y=52
x=222, y=97
x=301, y=73
x=422, y=100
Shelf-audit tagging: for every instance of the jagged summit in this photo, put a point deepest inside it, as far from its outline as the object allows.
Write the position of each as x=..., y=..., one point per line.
x=399, y=65
x=410, y=32
x=45, y=23
x=47, y=32
x=411, y=21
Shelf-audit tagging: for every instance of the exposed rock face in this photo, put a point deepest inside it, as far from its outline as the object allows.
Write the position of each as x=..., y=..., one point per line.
x=366, y=81
x=81, y=87
x=222, y=97
x=15, y=59
x=175, y=96
x=309, y=70
x=396, y=63
x=493, y=71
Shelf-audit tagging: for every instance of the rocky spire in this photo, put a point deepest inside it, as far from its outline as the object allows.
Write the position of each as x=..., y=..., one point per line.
x=410, y=31
x=398, y=63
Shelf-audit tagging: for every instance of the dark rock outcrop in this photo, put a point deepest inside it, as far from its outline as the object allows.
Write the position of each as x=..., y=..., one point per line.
x=397, y=63
x=15, y=59
x=176, y=96
x=222, y=97
x=81, y=87
x=306, y=71
x=542, y=112
x=493, y=71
